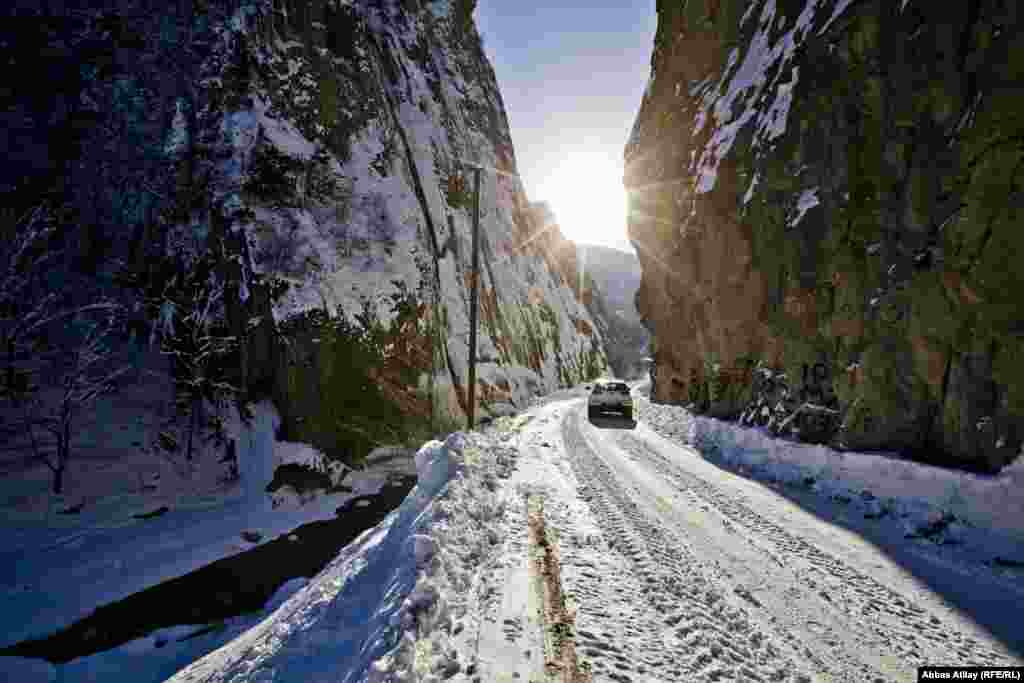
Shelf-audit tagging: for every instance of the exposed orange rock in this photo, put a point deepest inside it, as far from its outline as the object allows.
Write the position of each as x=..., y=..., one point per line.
x=583, y=327
x=958, y=289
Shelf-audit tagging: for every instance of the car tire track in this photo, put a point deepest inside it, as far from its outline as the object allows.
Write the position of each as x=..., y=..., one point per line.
x=653, y=596
x=899, y=624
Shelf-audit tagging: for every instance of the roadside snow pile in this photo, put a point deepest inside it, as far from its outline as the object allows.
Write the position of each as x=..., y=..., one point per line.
x=929, y=502
x=385, y=608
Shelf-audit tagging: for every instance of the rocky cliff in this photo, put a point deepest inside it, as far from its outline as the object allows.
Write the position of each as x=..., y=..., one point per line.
x=300, y=171
x=825, y=199
x=606, y=281
x=616, y=275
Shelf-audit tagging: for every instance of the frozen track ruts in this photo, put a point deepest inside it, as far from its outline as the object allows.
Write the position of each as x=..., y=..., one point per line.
x=703, y=587
x=648, y=612
x=909, y=630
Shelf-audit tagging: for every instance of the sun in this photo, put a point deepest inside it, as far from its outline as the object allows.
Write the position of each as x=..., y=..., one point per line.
x=586, y=193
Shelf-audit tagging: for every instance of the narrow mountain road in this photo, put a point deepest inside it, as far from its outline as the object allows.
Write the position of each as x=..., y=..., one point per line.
x=675, y=570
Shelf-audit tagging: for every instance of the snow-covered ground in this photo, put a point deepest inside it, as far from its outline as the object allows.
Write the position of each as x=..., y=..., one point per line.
x=742, y=559
x=56, y=569
x=986, y=512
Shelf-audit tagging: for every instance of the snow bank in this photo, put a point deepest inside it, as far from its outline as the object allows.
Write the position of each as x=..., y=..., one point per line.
x=383, y=609
x=919, y=495
x=305, y=455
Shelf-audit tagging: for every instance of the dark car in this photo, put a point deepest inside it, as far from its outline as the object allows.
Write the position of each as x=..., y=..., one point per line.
x=610, y=397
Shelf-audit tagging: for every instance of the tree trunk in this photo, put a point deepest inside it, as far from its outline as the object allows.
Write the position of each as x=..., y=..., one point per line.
x=58, y=479
x=63, y=449
x=191, y=430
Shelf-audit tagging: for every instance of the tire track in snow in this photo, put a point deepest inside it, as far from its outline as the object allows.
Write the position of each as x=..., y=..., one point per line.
x=888, y=619
x=647, y=612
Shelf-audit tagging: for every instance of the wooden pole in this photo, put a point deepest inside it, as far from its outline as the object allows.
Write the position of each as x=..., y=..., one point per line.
x=471, y=414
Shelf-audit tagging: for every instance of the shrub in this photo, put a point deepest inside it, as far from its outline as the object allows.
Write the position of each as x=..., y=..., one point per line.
x=272, y=177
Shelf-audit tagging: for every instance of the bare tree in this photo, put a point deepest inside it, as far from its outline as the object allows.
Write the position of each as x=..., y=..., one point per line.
x=192, y=332
x=48, y=345
x=84, y=374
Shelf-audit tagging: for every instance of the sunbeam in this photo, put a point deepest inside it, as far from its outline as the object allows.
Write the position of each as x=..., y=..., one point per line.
x=649, y=217
x=638, y=189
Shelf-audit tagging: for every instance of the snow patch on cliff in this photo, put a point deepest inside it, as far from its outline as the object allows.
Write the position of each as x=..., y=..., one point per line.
x=840, y=8
x=747, y=89
x=808, y=200
x=750, y=190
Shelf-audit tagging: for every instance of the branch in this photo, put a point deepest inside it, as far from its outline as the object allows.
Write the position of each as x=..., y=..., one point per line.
x=37, y=453
x=33, y=326
x=809, y=408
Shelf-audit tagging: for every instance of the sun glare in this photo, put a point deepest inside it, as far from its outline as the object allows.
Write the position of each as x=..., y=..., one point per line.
x=588, y=199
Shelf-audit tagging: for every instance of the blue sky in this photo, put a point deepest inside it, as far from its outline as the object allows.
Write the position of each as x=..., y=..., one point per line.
x=571, y=76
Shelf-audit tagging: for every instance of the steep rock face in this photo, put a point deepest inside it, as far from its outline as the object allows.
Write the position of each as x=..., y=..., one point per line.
x=565, y=259
x=825, y=201
x=310, y=158
x=401, y=251
x=617, y=276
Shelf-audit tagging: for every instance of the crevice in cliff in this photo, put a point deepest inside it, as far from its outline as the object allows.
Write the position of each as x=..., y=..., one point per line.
x=973, y=16
x=421, y=197
x=944, y=393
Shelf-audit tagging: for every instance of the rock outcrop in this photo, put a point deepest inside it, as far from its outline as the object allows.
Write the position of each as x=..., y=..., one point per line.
x=825, y=198
x=310, y=162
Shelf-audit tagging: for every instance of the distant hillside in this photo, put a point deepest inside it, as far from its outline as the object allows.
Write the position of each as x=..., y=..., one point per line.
x=616, y=272
x=617, y=276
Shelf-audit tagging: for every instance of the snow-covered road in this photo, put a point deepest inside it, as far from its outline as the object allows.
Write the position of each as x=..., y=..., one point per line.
x=679, y=570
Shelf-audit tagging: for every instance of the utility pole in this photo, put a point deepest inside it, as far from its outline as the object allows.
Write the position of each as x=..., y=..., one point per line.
x=471, y=414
